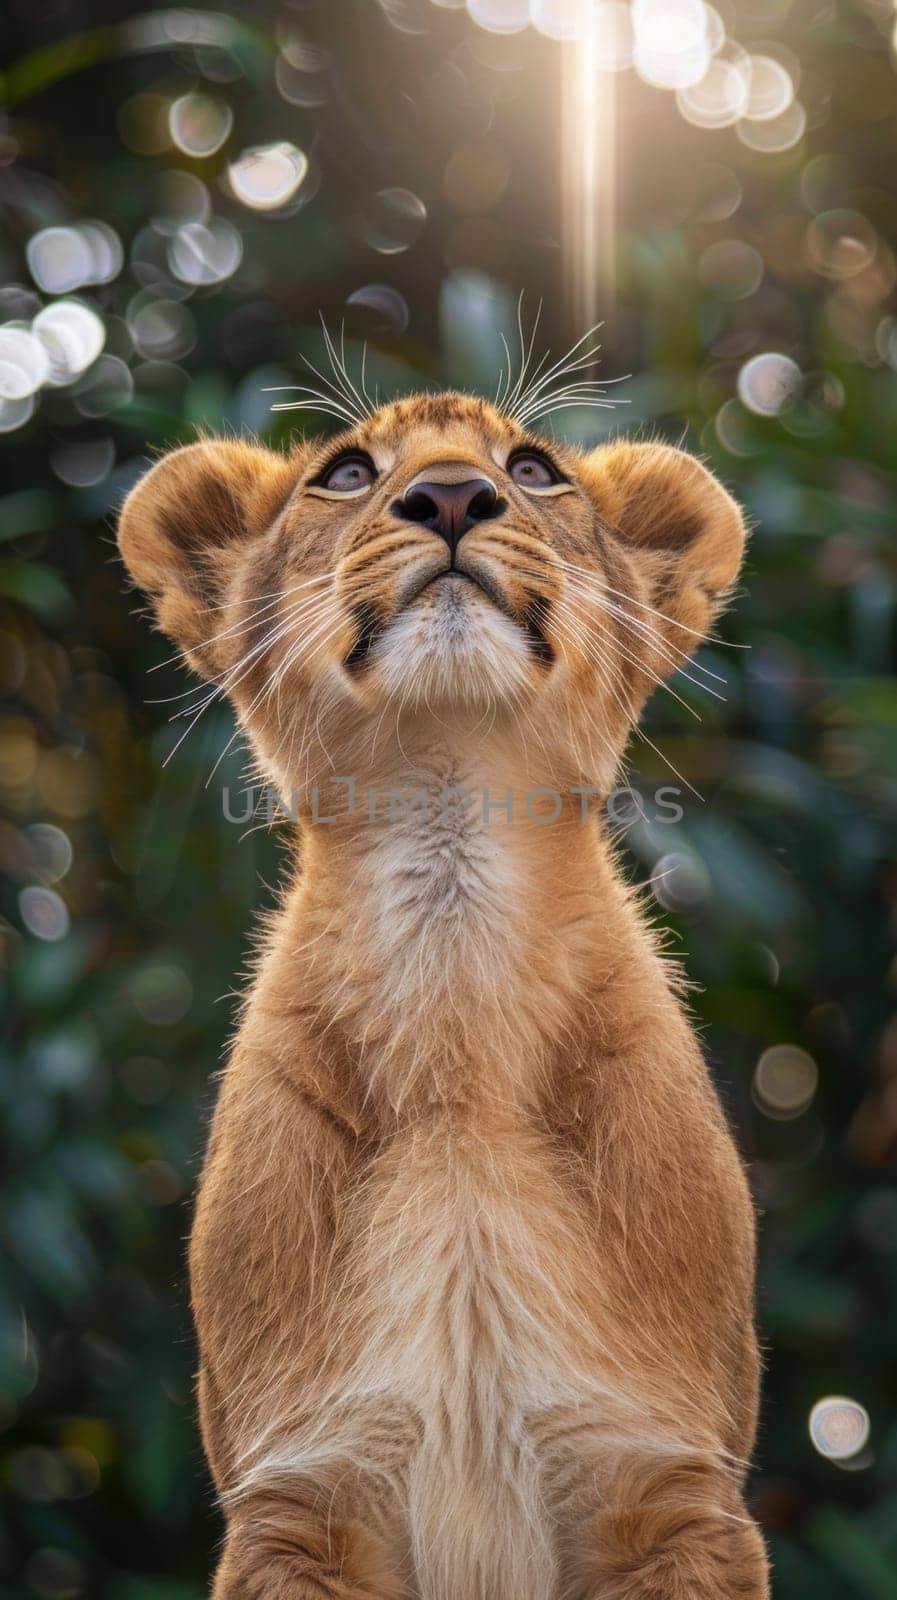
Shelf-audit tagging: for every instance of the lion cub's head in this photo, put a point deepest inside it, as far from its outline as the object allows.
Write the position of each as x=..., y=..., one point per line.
x=437, y=563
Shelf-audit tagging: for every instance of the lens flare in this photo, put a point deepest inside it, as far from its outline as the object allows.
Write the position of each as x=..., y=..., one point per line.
x=614, y=40
x=589, y=121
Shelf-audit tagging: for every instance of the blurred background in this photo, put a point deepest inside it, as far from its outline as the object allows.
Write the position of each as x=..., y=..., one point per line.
x=181, y=193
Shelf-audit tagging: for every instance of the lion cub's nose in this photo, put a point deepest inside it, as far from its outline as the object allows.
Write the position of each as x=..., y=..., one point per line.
x=449, y=497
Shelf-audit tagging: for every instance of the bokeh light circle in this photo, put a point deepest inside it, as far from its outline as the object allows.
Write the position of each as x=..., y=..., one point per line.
x=299, y=86
x=716, y=29
x=390, y=307
x=72, y=336
x=826, y=181
x=162, y=330
x=732, y=268
x=107, y=387
x=14, y=413
x=718, y=192
x=774, y=134
x=44, y=913
x=680, y=882
x=768, y=383
x=303, y=53
x=199, y=123
x=393, y=220
x=732, y=428
x=476, y=176
x=771, y=90
x=18, y=304
x=105, y=248
x=84, y=462
x=59, y=259
x=500, y=16
x=785, y=1081
x=562, y=19
x=143, y=123
x=839, y=244
x=203, y=253
x=719, y=98
x=268, y=176
x=180, y=197
x=886, y=340
x=162, y=993
x=53, y=854
x=24, y=364
x=839, y=1427
x=672, y=49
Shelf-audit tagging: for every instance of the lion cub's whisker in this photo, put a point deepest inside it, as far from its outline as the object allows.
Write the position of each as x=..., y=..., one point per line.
x=273, y=614
x=596, y=587
x=641, y=632
x=643, y=606
x=231, y=680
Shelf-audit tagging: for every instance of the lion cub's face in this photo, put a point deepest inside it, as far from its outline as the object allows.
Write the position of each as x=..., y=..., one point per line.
x=436, y=562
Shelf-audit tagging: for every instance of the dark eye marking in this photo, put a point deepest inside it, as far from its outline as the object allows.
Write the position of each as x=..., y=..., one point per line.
x=533, y=470
x=348, y=474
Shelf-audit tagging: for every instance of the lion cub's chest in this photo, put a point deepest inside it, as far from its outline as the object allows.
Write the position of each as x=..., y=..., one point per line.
x=468, y=1343
x=466, y=1271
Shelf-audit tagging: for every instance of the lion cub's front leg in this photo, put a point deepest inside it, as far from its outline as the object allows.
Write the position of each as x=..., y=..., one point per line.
x=264, y=1256
x=275, y=1551
x=677, y=1532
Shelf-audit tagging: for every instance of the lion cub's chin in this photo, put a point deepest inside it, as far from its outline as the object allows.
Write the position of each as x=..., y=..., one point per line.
x=450, y=646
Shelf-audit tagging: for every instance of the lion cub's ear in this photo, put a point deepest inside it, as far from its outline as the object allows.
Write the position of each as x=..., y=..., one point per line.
x=184, y=529
x=678, y=526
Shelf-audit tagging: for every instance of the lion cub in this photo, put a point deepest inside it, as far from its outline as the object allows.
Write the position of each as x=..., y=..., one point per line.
x=473, y=1254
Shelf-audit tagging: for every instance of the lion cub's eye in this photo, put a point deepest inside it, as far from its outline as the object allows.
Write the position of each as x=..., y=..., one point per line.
x=351, y=473
x=532, y=471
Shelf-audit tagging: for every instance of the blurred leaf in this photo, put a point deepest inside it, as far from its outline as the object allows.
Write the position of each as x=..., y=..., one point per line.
x=28, y=511
x=853, y=1554
x=38, y=586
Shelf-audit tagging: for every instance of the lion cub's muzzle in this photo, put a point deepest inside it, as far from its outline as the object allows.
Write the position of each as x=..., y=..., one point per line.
x=450, y=497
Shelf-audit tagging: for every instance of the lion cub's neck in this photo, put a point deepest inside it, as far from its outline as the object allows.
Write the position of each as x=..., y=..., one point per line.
x=449, y=930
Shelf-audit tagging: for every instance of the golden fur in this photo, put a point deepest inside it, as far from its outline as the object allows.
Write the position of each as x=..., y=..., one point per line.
x=473, y=1255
